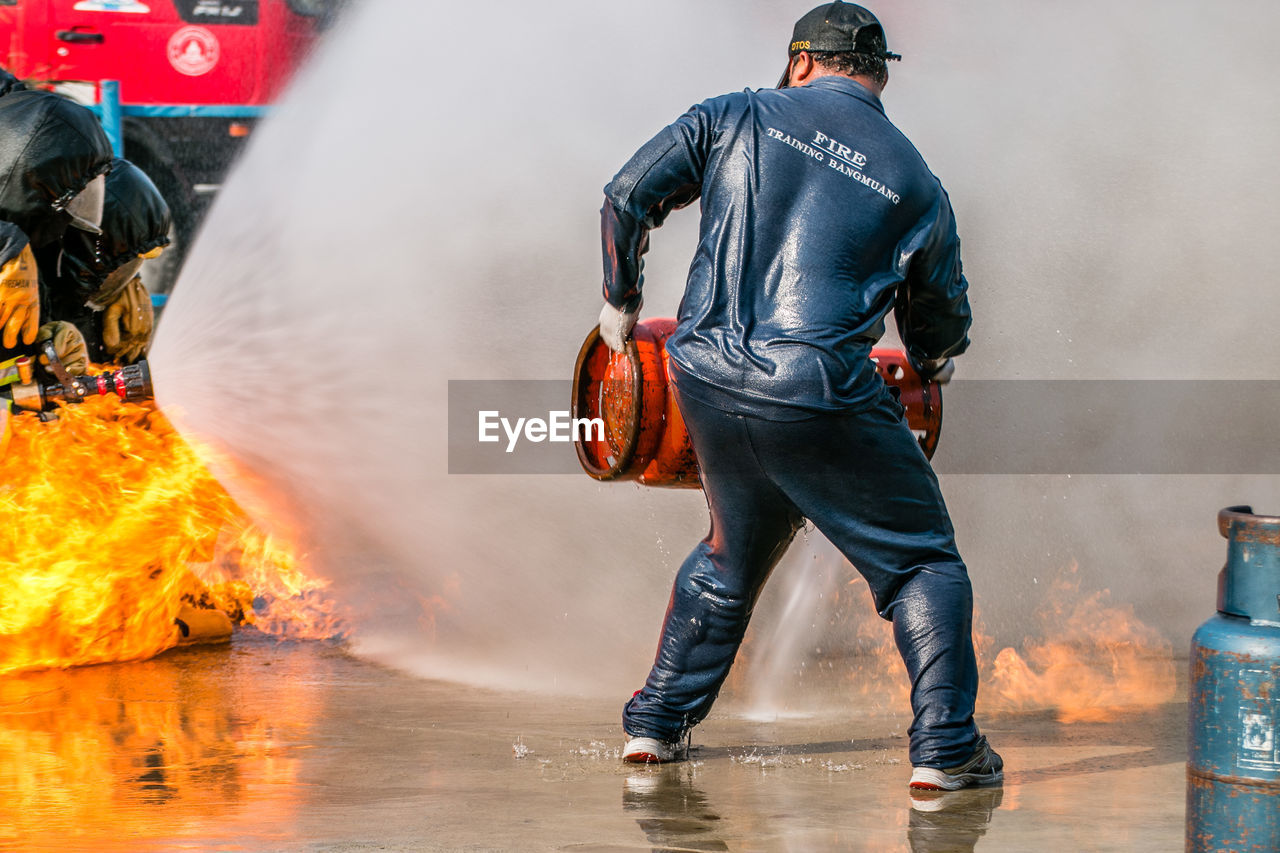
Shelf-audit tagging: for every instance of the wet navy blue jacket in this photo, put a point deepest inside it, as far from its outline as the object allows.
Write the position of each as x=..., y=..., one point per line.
x=818, y=217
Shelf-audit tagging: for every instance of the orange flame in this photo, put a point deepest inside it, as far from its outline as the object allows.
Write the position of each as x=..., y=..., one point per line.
x=877, y=671
x=109, y=524
x=1093, y=661
x=88, y=754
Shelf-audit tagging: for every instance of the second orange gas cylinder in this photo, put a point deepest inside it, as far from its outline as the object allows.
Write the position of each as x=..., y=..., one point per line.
x=645, y=439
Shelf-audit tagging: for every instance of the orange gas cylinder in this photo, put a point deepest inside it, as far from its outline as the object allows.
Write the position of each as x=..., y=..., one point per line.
x=644, y=436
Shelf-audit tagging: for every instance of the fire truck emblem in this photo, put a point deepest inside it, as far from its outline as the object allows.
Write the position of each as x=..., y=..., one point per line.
x=193, y=51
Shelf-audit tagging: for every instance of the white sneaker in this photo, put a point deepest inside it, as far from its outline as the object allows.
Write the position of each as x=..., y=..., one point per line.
x=649, y=750
x=984, y=767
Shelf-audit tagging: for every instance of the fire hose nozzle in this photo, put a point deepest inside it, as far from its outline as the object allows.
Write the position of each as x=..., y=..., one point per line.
x=131, y=383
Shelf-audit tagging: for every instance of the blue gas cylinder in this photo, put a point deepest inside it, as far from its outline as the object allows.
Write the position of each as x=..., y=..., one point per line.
x=1233, y=765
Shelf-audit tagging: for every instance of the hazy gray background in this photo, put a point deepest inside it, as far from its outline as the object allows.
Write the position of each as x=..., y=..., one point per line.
x=423, y=207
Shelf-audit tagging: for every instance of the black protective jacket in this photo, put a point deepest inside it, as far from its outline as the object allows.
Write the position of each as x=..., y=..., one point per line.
x=12, y=239
x=50, y=148
x=818, y=217
x=9, y=83
x=135, y=220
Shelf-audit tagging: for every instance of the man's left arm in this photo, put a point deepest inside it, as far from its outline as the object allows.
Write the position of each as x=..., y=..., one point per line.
x=664, y=175
x=932, y=308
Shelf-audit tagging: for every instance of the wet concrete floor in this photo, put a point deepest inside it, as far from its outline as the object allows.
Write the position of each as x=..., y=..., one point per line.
x=260, y=746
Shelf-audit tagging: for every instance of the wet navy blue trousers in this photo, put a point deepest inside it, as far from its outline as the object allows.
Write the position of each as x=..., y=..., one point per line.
x=866, y=485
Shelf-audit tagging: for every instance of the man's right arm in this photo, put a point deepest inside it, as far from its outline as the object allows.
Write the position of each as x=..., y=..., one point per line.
x=664, y=175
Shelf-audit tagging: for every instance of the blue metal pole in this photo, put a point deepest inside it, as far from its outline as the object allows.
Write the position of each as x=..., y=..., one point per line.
x=112, y=114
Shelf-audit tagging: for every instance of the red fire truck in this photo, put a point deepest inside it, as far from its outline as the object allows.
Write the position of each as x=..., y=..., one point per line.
x=179, y=83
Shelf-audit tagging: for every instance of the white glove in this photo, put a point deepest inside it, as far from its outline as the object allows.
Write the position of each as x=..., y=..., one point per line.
x=616, y=326
x=938, y=370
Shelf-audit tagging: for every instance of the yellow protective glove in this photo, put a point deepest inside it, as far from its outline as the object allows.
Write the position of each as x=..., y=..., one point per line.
x=128, y=322
x=69, y=344
x=19, y=299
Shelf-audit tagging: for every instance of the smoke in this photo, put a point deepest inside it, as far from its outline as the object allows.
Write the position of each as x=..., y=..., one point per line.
x=422, y=206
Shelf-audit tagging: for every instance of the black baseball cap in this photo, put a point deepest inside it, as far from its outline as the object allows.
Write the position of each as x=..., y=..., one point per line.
x=838, y=28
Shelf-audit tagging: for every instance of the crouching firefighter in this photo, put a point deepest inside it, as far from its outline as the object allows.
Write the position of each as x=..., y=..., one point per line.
x=54, y=157
x=818, y=217
x=98, y=284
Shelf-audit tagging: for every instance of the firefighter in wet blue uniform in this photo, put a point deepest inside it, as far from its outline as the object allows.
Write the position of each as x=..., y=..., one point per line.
x=818, y=217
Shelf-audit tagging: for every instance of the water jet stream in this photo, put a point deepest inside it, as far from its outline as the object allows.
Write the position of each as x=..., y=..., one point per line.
x=421, y=208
